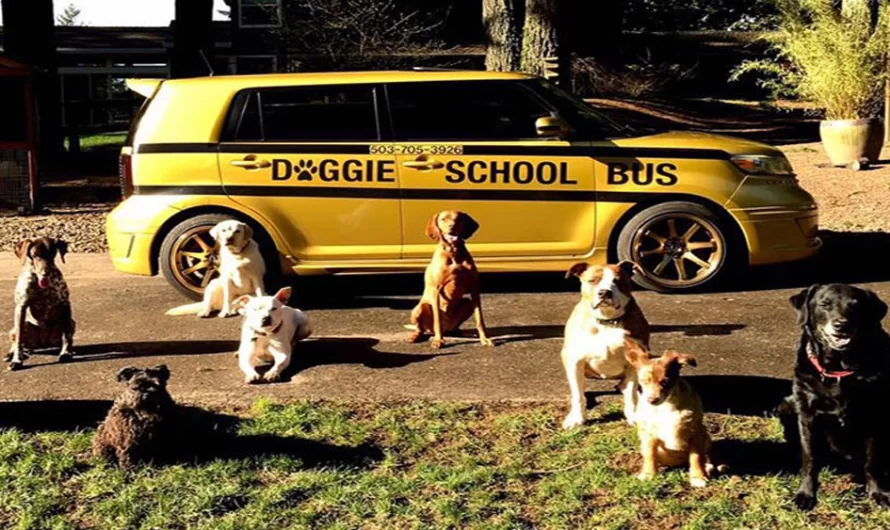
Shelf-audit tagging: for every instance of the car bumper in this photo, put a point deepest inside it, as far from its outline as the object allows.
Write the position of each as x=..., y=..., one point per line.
x=778, y=235
x=131, y=228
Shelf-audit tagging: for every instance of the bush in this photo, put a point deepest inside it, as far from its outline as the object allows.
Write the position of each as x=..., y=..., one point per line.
x=633, y=79
x=836, y=62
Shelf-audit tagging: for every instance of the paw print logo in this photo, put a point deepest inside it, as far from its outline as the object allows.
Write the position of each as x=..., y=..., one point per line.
x=306, y=168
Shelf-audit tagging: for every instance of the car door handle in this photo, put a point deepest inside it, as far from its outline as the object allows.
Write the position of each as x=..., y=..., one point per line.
x=423, y=164
x=251, y=163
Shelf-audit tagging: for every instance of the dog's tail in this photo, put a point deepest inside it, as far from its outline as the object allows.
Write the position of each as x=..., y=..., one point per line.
x=188, y=309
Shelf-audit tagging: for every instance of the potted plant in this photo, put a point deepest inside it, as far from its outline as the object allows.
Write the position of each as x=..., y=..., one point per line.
x=837, y=61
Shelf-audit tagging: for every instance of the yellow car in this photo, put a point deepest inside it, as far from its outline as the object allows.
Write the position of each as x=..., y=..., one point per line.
x=341, y=172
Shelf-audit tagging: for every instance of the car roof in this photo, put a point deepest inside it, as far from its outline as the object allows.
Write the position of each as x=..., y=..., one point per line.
x=324, y=78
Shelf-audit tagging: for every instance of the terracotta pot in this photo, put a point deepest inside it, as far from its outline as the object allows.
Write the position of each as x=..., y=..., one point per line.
x=848, y=141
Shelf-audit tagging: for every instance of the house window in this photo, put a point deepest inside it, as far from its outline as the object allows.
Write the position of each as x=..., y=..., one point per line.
x=259, y=13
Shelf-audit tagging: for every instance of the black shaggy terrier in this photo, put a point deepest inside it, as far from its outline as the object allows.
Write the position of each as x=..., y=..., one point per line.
x=139, y=425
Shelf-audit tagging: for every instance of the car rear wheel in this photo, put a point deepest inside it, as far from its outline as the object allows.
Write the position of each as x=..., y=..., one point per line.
x=680, y=246
x=187, y=258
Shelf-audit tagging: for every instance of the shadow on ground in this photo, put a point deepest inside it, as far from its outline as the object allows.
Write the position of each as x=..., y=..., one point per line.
x=204, y=435
x=849, y=257
x=125, y=350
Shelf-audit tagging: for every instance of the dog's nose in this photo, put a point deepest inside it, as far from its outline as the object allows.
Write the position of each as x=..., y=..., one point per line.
x=604, y=293
x=839, y=324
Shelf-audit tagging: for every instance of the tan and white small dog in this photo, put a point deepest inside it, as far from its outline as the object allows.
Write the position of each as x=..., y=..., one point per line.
x=241, y=271
x=670, y=418
x=606, y=328
x=270, y=331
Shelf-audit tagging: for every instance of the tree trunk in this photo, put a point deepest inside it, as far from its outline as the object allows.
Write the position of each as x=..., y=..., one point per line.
x=541, y=38
x=192, y=42
x=29, y=37
x=502, y=20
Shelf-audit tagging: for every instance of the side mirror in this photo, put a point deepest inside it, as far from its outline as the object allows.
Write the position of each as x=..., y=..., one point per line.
x=551, y=127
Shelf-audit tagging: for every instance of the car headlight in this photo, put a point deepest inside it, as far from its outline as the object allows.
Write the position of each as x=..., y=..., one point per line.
x=776, y=165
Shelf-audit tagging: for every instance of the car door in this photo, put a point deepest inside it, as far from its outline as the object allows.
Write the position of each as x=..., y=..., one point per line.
x=301, y=157
x=474, y=146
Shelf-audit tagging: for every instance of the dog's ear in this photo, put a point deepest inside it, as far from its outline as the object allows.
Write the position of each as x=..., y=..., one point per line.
x=634, y=353
x=801, y=303
x=629, y=268
x=468, y=225
x=577, y=269
x=214, y=232
x=125, y=374
x=22, y=248
x=681, y=359
x=432, y=228
x=240, y=303
x=877, y=306
x=283, y=295
x=162, y=372
x=60, y=246
x=248, y=231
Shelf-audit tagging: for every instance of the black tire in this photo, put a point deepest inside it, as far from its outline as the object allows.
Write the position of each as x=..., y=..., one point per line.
x=672, y=261
x=173, y=240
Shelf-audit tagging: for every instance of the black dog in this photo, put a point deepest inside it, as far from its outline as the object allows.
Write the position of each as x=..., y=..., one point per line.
x=841, y=381
x=141, y=421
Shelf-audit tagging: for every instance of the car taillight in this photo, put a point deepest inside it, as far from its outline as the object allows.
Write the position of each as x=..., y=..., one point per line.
x=125, y=171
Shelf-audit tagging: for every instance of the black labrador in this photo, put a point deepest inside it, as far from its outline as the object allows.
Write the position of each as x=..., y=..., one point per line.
x=841, y=382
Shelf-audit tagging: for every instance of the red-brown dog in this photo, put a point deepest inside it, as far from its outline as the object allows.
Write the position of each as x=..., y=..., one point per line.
x=449, y=277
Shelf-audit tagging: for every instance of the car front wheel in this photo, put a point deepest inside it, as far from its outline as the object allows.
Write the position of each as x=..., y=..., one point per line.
x=679, y=246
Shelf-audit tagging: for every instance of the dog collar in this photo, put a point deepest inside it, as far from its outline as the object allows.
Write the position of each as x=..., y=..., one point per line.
x=814, y=360
x=257, y=333
x=609, y=322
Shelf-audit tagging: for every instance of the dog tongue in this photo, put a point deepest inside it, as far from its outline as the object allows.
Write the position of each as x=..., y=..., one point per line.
x=43, y=282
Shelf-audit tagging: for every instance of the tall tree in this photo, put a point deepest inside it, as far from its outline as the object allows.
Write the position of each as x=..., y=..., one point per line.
x=503, y=20
x=541, y=37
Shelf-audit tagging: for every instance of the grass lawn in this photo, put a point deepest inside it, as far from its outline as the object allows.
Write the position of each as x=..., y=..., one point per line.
x=416, y=465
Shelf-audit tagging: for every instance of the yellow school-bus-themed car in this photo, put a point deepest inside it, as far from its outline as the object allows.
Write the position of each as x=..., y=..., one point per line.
x=341, y=172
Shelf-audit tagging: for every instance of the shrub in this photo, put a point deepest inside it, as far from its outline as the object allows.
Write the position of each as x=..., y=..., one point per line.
x=835, y=61
x=634, y=79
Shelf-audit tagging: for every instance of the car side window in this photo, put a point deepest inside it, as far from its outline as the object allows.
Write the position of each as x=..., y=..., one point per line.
x=337, y=113
x=463, y=110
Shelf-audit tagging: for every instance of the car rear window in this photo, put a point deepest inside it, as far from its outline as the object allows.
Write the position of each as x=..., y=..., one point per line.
x=464, y=110
x=300, y=114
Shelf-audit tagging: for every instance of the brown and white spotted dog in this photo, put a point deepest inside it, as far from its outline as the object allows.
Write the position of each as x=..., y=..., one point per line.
x=605, y=332
x=42, y=309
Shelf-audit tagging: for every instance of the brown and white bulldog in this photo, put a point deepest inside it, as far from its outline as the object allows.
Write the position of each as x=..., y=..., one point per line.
x=606, y=330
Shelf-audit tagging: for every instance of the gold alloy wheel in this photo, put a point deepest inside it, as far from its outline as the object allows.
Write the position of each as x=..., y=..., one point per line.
x=193, y=259
x=678, y=249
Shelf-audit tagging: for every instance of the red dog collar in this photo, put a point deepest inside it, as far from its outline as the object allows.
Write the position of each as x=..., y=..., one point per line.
x=814, y=360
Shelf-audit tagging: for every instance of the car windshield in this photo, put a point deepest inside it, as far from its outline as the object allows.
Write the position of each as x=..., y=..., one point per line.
x=589, y=123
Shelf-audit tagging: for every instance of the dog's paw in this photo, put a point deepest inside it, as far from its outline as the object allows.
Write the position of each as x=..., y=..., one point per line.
x=698, y=482
x=226, y=313
x=272, y=376
x=204, y=314
x=14, y=365
x=65, y=357
x=881, y=498
x=645, y=475
x=485, y=341
x=437, y=343
x=252, y=378
x=804, y=501
x=572, y=421
x=631, y=421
